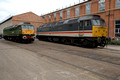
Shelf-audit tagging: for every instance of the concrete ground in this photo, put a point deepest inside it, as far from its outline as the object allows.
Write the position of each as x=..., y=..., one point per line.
x=21, y=64
x=113, y=47
x=52, y=61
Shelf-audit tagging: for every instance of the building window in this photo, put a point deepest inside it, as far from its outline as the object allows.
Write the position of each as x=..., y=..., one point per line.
x=54, y=16
x=117, y=28
x=88, y=8
x=45, y=17
x=68, y=13
x=101, y=5
x=61, y=15
x=49, y=18
x=77, y=11
x=117, y=3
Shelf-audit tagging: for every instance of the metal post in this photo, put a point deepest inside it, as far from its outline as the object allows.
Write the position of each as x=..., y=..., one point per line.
x=109, y=17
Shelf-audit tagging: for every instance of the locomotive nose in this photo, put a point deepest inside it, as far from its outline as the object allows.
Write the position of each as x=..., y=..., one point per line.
x=99, y=31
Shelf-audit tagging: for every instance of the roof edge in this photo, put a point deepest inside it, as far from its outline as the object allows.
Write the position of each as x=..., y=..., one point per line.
x=66, y=8
x=5, y=20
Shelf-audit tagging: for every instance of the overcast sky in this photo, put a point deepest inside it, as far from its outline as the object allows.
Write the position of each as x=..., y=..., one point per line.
x=15, y=7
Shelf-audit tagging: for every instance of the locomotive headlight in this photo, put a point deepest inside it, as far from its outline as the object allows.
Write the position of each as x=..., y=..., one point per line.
x=24, y=37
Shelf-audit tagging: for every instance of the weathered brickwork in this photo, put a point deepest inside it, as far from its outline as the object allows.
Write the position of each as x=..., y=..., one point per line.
x=34, y=19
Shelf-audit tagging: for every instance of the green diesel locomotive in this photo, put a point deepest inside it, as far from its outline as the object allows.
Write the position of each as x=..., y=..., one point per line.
x=20, y=32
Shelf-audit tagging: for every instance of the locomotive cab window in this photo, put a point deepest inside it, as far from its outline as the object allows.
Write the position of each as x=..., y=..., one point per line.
x=31, y=27
x=98, y=23
x=27, y=27
x=24, y=27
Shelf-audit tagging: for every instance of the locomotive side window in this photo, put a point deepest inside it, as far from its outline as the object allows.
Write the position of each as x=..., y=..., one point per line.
x=87, y=25
x=81, y=23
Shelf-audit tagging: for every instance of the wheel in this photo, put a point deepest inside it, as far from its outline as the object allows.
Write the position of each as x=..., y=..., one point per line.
x=94, y=45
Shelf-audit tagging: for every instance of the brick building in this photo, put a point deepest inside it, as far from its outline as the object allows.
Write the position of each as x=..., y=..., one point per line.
x=109, y=10
x=34, y=19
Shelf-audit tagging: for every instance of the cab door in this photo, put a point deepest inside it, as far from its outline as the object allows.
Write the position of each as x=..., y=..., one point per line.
x=81, y=28
x=87, y=28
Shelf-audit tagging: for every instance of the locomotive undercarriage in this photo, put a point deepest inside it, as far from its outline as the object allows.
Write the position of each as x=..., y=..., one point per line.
x=18, y=39
x=80, y=41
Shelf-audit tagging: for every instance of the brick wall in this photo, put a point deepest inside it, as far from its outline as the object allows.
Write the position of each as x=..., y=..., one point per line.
x=72, y=12
x=34, y=19
x=57, y=16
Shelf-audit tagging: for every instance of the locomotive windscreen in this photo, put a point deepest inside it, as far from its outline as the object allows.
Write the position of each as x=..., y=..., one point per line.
x=27, y=27
x=98, y=22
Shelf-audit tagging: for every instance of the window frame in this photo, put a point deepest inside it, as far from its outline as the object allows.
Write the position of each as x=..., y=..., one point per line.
x=77, y=11
x=68, y=13
x=54, y=16
x=45, y=17
x=101, y=8
x=117, y=3
x=117, y=28
x=88, y=8
x=61, y=15
x=88, y=27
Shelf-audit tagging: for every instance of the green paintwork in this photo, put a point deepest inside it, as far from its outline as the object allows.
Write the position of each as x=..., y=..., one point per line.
x=13, y=31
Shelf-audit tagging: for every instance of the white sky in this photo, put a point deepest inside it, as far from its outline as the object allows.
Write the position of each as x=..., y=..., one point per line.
x=15, y=7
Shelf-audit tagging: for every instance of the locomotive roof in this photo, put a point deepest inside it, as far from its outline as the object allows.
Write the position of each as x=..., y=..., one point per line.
x=89, y=17
x=13, y=26
x=74, y=20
